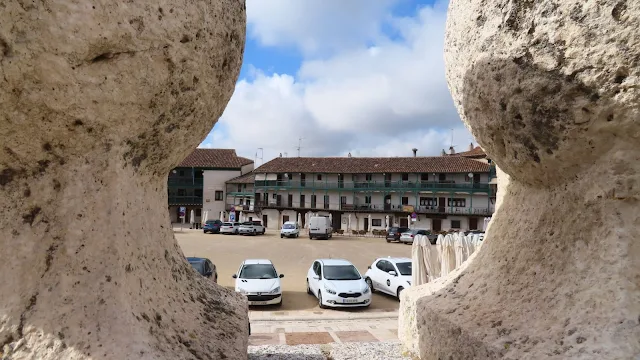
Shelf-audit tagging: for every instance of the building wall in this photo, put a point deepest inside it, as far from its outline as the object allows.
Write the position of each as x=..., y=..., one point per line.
x=214, y=180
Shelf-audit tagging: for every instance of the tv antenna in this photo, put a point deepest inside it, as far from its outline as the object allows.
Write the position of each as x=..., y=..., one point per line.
x=299, y=146
x=261, y=156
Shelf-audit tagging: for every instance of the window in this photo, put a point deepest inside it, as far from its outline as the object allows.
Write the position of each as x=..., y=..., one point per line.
x=442, y=177
x=289, y=176
x=405, y=177
x=376, y=222
x=197, y=192
x=302, y=201
x=313, y=201
x=367, y=199
x=326, y=201
x=181, y=172
x=319, y=177
x=424, y=177
x=219, y=195
x=303, y=179
x=239, y=188
x=290, y=200
x=265, y=197
x=275, y=195
x=426, y=201
x=456, y=202
x=182, y=192
x=405, y=200
x=369, y=177
x=455, y=224
x=343, y=200
x=241, y=201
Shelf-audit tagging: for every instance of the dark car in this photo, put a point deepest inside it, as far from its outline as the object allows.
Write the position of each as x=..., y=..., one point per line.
x=394, y=233
x=212, y=226
x=205, y=267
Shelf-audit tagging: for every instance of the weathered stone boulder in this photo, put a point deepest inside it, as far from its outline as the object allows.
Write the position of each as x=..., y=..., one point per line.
x=551, y=90
x=98, y=101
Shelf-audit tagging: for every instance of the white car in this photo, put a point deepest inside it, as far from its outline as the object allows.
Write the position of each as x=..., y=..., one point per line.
x=229, y=228
x=389, y=275
x=290, y=229
x=337, y=283
x=259, y=281
x=251, y=228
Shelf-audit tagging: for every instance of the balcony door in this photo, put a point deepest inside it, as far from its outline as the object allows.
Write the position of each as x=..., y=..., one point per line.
x=442, y=203
x=473, y=223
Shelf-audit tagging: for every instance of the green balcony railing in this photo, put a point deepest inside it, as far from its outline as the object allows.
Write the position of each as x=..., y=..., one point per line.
x=372, y=185
x=393, y=208
x=185, y=200
x=241, y=193
x=187, y=182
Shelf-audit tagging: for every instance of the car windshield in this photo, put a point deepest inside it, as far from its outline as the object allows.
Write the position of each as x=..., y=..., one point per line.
x=341, y=272
x=288, y=226
x=198, y=265
x=404, y=268
x=258, y=271
x=213, y=222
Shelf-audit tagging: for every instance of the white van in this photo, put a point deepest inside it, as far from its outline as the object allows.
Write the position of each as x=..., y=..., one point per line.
x=320, y=227
x=290, y=229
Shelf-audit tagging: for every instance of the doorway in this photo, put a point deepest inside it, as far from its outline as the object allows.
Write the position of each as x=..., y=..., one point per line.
x=366, y=224
x=336, y=218
x=436, y=224
x=264, y=221
x=387, y=202
x=404, y=222
x=441, y=204
x=473, y=223
x=285, y=218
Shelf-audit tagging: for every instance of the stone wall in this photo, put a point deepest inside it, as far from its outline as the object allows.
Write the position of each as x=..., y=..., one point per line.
x=551, y=90
x=98, y=101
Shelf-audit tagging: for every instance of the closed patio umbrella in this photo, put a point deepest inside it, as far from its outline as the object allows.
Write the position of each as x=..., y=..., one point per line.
x=459, y=249
x=349, y=223
x=386, y=222
x=299, y=219
x=448, y=256
x=418, y=267
x=431, y=259
x=204, y=217
x=370, y=227
x=409, y=221
x=192, y=218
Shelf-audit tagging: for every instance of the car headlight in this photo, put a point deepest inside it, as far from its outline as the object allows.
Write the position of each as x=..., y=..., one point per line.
x=330, y=291
x=366, y=290
x=242, y=291
x=275, y=291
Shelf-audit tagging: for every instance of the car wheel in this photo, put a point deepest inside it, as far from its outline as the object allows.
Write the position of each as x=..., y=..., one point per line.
x=388, y=240
x=370, y=285
x=322, y=306
x=399, y=291
x=263, y=232
x=281, y=236
x=309, y=288
x=310, y=237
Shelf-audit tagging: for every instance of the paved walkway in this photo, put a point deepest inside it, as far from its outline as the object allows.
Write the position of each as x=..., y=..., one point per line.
x=322, y=327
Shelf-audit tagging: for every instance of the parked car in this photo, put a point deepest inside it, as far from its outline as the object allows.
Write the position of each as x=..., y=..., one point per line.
x=474, y=232
x=212, y=226
x=205, y=267
x=394, y=233
x=408, y=236
x=229, y=228
x=290, y=229
x=389, y=275
x=259, y=281
x=251, y=228
x=320, y=228
x=337, y=283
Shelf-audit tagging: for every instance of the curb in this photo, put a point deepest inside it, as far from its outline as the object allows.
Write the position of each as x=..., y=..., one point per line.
x=317, y=317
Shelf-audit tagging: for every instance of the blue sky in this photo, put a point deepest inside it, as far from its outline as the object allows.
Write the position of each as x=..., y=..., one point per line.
x=359, y=76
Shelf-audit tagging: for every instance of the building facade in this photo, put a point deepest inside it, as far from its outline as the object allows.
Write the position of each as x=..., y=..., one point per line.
x=442, y=193
x=199, y=182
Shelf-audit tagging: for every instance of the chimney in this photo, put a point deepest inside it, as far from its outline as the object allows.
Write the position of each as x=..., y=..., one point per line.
x=470, y=146
x=415, y=152
x=451, y=150
x=349, y=155
x=443, y=153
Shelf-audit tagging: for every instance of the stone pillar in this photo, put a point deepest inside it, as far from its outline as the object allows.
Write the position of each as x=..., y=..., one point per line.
x=551, y=90
x=98, y=101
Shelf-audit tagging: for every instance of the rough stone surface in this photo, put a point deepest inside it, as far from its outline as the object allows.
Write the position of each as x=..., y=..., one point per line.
x=551, y=90
x=98, y=101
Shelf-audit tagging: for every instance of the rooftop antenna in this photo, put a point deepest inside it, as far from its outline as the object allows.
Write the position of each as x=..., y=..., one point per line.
x=299, y=146
x=261, y=156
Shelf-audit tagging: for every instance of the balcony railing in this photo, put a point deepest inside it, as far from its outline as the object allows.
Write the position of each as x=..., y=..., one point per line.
x=238, y=207
x=395, y=208
x=185, y=200
x=372, y=185
x=185, y=182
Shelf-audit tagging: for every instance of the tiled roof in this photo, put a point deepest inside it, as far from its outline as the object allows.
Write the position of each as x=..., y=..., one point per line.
x=355, y=165
x=477, y=152
x=247, y=178
x=215, y=158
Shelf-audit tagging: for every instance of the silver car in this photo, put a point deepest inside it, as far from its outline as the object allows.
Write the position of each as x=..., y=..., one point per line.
x=229, y=228
x=408, y=236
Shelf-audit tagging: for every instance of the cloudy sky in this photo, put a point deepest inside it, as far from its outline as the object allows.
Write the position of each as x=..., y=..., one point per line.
x=358, y=76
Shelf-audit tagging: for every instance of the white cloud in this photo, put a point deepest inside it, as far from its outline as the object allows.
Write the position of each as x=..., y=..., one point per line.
x=381, y=99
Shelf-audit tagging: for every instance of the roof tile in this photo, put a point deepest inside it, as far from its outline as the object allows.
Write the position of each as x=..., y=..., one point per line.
x=354, y=165
x=215, y=158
